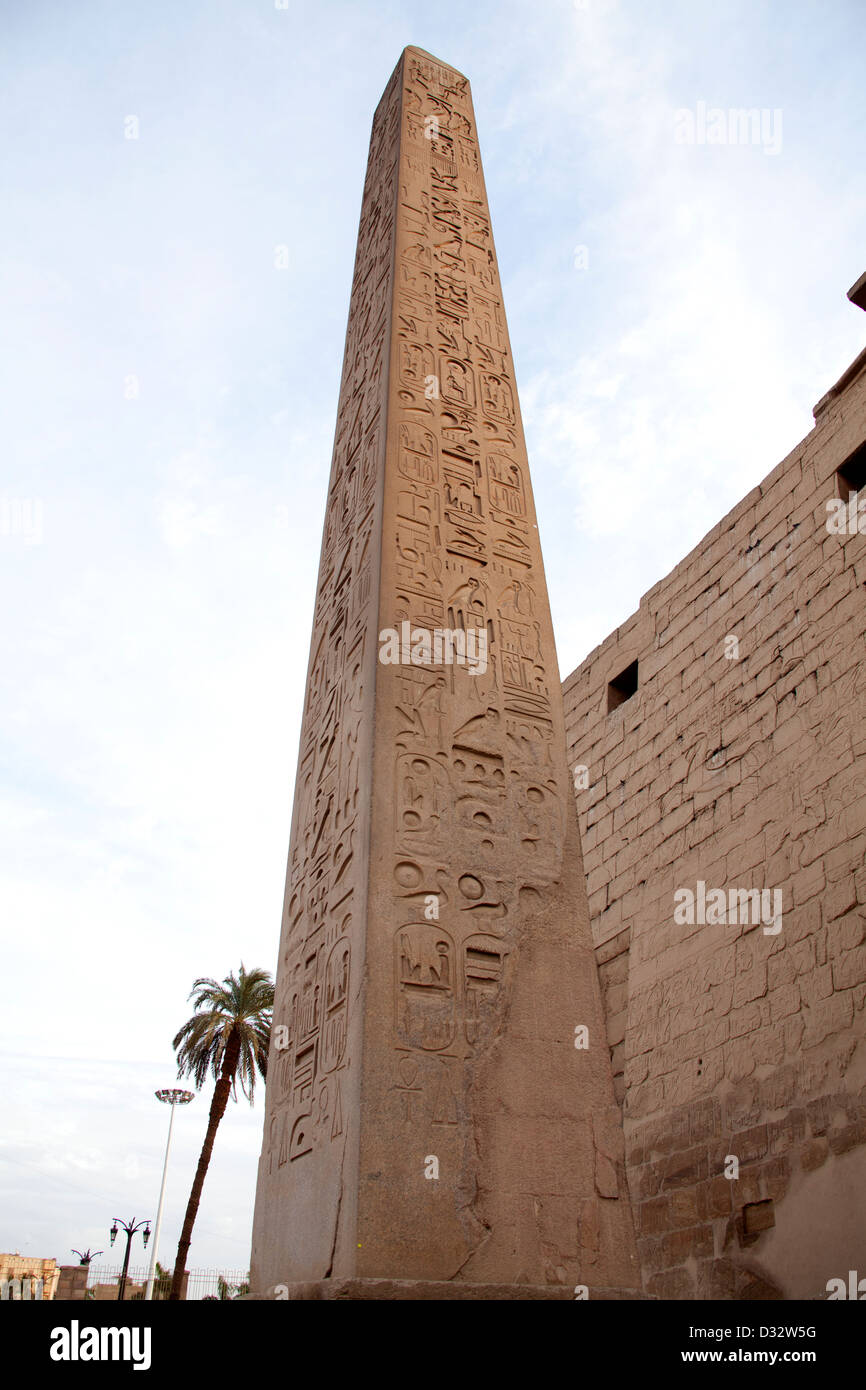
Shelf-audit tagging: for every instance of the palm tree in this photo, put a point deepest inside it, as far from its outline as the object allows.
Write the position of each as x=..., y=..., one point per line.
x=161, y=1284
x=228, y=1291
x=228, y=1035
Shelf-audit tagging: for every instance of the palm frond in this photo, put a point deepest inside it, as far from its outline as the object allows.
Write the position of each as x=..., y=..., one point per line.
x=240, y=1006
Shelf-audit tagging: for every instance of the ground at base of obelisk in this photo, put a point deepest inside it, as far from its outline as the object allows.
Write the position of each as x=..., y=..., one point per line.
x=425, y=1290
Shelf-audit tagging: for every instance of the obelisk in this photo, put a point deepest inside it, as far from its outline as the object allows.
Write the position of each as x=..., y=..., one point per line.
x=440, y=1105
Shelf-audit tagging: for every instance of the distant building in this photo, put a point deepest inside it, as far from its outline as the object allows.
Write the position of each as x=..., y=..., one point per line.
x=29, y=1268
x=103, y=1293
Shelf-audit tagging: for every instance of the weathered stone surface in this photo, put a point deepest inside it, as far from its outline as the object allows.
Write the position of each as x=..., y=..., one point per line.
x=739, y=763
x=420, y=1290
x=671, y=1284
x=430, y=1114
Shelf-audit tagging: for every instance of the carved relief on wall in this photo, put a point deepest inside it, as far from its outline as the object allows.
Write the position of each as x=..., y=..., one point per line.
x=416, y=365
x=313, y=989
x=335, y=1005
x=304, y=1087
x=458, y=384
x=418, y=454
x=505, y=488
x=422, y=801
x=484, y=961
x=426, y=985
x=473, y=752
x=451, y=985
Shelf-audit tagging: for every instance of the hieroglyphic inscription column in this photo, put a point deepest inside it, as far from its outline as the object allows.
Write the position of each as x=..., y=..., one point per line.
x=310, y=1148
x=435, y=959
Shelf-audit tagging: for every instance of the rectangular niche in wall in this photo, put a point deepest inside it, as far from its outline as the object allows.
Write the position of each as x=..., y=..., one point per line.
x=622, y=687
x=851, y=476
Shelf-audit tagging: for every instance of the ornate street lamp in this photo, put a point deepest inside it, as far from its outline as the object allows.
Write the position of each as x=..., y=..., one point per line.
x=130, y=1227
x=170, y=1097
x=85, y=1256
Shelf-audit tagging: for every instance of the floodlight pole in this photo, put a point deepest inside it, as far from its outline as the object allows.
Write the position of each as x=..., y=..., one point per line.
x=171, y=1098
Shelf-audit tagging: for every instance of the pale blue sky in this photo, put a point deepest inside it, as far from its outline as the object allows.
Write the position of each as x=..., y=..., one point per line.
x=156, y=637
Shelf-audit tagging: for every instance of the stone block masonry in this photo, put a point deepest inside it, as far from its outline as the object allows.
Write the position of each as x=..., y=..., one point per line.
x=739, y=761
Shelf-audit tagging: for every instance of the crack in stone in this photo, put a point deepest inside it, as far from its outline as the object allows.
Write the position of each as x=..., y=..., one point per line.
x=467, y=1187
x=488, y=1232
x=327, y=1273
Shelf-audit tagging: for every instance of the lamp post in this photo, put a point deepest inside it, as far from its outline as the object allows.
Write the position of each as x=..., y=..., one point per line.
x=130, y=1227
x=172, y=1098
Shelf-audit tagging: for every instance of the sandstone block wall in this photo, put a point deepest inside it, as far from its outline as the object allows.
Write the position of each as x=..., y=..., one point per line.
x=72, y=1283
x=740, y=764
x=15, y=1266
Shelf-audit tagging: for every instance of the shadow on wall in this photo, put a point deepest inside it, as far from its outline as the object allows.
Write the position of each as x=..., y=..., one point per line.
x=821, y=1225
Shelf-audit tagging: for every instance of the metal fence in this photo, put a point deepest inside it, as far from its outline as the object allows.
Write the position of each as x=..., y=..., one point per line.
x=103, y=1282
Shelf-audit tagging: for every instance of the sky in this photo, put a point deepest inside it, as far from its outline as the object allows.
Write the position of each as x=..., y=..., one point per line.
x=181, y=188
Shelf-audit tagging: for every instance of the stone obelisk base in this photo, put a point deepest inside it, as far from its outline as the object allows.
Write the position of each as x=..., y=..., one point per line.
x=425, y=1290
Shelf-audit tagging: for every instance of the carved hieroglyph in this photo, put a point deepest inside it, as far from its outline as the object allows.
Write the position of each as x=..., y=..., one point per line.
x=435, y=959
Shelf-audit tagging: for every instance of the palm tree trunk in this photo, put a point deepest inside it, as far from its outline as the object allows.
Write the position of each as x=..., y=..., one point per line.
x=217, y=1110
